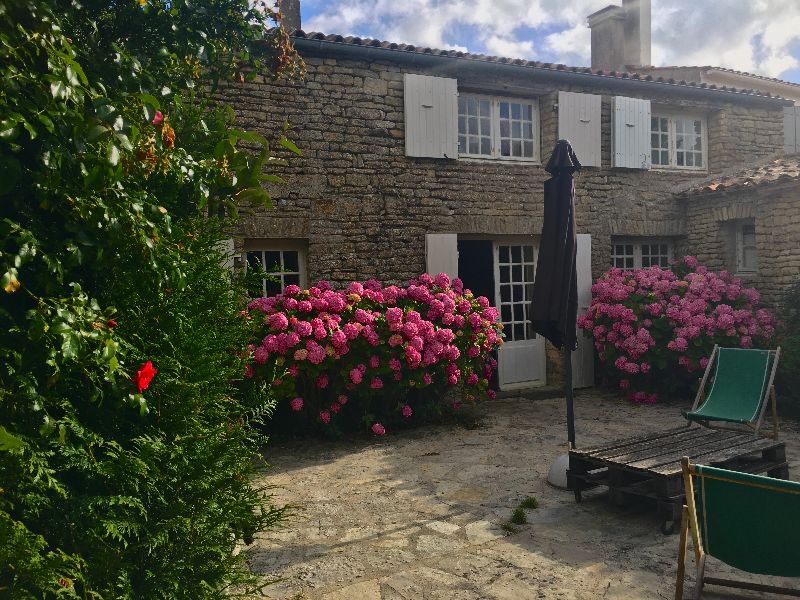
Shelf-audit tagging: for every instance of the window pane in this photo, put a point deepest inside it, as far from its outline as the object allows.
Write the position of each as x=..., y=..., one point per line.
x=505, y=148
x=254, y=260
x=516, y=254
x=291, y=260
x=516, y=111
x=291, y=279
x=505, y=313
x=505, y=128
x=486, y=146
x=504, y=274
x=504, y=110
x=527, y=149
x=273, y=286
x=462, y=125
x=519, y=314
x=516, y=148
x=473, y=145
x=504, y=254
x=485, y=107
x=519, y=331
x=462, y=104
x=527, y=253
x=272, y=260
x=505, y=293
x=518, y=293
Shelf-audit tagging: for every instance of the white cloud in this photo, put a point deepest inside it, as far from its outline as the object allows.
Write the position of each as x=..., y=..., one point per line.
x=750, y=35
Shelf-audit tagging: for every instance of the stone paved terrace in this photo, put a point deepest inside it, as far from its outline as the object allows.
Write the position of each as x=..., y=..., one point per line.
x=417, y=515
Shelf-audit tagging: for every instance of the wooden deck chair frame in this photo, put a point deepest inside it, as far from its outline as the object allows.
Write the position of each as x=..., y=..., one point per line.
x=689, y=526
x=768, y=397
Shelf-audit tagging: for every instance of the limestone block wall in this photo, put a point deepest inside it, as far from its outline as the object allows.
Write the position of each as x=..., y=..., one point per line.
x=775, y=210
x=364, y=207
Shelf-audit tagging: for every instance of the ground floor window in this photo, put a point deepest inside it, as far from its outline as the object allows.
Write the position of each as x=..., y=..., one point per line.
x=285, y=265
x=515, y=270
x=636, y=253
x=746, y=252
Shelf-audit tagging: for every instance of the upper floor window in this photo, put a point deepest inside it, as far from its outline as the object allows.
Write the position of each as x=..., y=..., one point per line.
x=642, y=253
x=677, y=141
x=501, y=128
x=284, y=266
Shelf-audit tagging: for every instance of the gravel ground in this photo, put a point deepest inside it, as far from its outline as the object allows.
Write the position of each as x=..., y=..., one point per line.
x=422, y=515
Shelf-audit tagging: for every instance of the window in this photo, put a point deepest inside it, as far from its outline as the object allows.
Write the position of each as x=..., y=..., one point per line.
x=285, y=267
x=496, y=128
x=631, y=254
x=515, y=269
x=677, y=142
x=746, y=253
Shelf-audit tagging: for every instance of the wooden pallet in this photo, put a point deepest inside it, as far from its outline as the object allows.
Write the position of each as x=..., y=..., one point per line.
x=649, y=466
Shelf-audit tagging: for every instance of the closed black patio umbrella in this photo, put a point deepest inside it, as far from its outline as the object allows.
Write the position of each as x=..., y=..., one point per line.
x=554, y=307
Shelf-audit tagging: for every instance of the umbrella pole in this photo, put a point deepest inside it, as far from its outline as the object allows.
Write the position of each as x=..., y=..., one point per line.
x=568, y=393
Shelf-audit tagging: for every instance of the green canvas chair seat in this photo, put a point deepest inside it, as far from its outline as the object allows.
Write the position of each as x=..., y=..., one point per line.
x=742, y=385
x=749, y=522
x=739, y=386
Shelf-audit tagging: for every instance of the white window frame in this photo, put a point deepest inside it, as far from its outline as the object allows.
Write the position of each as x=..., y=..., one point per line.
x=740, y=246
x=637, y=244
x=279, y=246
x=672, y=136
x=494, y=122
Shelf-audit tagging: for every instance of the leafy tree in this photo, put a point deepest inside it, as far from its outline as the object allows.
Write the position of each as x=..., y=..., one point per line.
x=125, y=446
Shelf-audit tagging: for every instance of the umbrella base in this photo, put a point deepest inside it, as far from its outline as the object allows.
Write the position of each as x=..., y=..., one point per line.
x=557, y=477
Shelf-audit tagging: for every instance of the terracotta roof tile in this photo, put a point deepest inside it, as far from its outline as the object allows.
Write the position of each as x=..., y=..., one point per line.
x=369, y=42
x=776, y=170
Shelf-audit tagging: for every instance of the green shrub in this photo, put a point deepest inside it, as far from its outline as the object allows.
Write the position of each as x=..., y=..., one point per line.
x=119, y=478
x=529, y=503
x=788, y=380
x=518, y=517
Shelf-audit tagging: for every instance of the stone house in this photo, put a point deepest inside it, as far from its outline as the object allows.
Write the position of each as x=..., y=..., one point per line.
x=419, y=159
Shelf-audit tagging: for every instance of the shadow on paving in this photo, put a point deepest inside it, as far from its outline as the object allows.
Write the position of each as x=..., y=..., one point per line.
x=420, y=514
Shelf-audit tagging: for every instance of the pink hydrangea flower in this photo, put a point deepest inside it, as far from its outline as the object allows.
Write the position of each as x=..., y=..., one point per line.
x=376, y=383
x=407, y=412
x=378, y=429
x=325, y=416
x=296, y=404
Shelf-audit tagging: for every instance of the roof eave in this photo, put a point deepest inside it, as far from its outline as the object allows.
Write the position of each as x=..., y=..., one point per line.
x=556, y=72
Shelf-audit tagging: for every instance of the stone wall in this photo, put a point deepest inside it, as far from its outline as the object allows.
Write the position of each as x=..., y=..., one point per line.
x=774, y=210
x=364, y=207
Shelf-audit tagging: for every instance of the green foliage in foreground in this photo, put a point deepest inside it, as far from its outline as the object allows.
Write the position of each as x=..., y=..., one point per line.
x=110, y=161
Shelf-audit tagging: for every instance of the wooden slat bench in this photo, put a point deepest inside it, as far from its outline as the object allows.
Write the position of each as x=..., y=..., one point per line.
x=649, y=466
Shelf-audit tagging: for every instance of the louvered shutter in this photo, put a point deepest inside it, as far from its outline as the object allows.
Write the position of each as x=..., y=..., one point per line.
x=630, y=133
x=579, y=122
x=431, y=116
x=791, y=129
x=583, y=357
x=441, y=254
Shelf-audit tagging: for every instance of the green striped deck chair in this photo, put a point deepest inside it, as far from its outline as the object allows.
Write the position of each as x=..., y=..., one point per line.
x=741, y=387
x=748, y=521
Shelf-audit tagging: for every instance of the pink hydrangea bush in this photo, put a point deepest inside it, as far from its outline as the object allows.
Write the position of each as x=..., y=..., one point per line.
x=372, y=352
x=655, y=328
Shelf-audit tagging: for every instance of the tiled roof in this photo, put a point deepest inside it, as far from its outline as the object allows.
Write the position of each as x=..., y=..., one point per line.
x=727, y=70
x=778, y=170
x=533, y=64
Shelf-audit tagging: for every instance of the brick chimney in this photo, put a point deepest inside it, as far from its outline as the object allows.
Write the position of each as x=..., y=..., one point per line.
x=290, y=14
x=621, y=36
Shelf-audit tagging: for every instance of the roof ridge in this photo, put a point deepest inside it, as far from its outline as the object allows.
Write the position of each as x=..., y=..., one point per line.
x=777, y=168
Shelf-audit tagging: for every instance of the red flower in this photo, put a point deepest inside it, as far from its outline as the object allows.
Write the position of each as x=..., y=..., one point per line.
x=158, y=118
x=111, y=323
x=144, y=376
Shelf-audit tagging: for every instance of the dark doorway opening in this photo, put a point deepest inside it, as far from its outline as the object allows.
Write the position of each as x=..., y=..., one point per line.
x=476, y=267
x=476, y=270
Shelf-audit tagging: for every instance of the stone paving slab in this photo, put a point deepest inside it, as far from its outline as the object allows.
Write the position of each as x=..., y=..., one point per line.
x=420, y=514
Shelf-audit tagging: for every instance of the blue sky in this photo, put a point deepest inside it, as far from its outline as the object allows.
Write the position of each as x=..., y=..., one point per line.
x=759, y=36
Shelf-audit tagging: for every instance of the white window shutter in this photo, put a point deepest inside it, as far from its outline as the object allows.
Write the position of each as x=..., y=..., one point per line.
x=630, y=133
x=431, y=116
x=579, y=122
x=583, y=357
x=441, y=254
x=790, y=129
